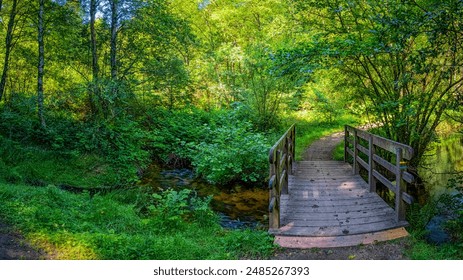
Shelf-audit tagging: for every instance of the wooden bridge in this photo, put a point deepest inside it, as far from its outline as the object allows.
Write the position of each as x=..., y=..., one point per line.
x=328, y=203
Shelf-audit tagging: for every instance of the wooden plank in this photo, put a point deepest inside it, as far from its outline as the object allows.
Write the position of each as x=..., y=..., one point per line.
x=351, y=221
x=384, y=180
x=342, y=204
x=362, y=163
x=384, y=163
x=408, y=177
x=297, y=242
x=384, y=143
x=338, y=215
x=293, y=211
x=334, y=198
x=362, y=149
x=290, y=229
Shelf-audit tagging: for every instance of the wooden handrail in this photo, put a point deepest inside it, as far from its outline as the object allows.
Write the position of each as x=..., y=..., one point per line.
x=376, y=165
x=281, y=159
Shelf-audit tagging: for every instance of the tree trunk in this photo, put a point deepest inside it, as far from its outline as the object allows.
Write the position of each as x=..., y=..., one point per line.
x=95, y=68
x=8, y=46
x=41, y=65
x=94, y=93
x=114, y=6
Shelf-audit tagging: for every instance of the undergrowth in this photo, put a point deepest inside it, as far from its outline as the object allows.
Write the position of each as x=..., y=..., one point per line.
x=118, y=225
x=451, y=206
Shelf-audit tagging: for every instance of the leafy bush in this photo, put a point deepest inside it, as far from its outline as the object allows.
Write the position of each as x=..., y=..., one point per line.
x=220, y=145
x=454, y=204
x=172, y=208
x=122, y=142
x=235, y=153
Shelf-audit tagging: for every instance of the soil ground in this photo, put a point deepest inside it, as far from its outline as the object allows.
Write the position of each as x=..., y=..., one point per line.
x=14, y=247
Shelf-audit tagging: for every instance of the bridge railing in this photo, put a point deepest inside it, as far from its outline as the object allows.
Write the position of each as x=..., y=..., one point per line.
x=281, y=159
x=384, y=160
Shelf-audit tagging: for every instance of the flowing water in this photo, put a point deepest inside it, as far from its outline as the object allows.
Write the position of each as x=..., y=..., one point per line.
x=237, y=206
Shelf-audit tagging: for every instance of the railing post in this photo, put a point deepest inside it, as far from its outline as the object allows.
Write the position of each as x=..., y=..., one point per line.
x=346, y=143
x=293, y=149
x=281, y=157
x=371, y=164
x=399, y=188
x=274, y=193
x=355, y=164
x=284, y=187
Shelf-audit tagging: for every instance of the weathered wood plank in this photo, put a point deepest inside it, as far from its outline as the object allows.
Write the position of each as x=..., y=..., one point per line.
x=305, y=242
x=334, y=214
x=341, y=230
x=350, y=221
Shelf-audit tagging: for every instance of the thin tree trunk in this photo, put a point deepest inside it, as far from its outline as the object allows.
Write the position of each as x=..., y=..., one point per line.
x=8, y=47
x=114, y=6
x=95, y=68
x=41, y=65
x=94, y=93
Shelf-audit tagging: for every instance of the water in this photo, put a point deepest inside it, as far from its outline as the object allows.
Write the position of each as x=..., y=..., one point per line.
x=237, y=206
x=441, y=163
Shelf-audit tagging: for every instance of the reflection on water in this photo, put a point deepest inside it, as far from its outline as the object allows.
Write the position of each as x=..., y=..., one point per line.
x=237, y=206
x=444, y=160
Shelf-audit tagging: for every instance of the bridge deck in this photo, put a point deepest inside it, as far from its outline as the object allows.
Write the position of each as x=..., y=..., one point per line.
x=328, y=205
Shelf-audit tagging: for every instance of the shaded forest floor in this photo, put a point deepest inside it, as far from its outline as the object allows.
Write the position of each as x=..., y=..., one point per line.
x=14, y=247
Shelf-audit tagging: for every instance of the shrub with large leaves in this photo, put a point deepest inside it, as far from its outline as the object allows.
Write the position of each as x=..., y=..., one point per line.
x=235, y=153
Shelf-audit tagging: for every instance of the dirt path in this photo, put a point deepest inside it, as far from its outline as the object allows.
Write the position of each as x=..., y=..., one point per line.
x=322, y=149
x=13, y=246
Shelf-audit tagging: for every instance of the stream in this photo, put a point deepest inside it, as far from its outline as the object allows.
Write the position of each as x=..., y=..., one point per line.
x=237, y=206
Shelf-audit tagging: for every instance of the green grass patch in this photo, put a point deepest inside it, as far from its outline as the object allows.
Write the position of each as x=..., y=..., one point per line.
x=38, y=166
x=126, y=224
x=338, y=153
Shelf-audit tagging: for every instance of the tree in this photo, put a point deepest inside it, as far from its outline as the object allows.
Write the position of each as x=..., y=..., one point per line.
x=406, y=57
x=8, y=45
x=41, y=63
x=114, y=26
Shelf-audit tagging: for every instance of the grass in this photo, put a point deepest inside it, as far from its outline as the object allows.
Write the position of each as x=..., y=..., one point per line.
x=40, y=167
x=113, y=226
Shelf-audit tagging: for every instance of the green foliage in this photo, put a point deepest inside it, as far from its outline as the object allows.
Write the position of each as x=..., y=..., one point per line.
x=234, y=153
x=454, y=205
x=253, y=244
x=172, y=208
x=450, y=205
x=122, y=142
x=221, y=146
x=418, y=216
x=390, y=56
x=80, y=226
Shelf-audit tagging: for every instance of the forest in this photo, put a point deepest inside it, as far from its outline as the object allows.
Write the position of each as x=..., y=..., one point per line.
x=94, y=92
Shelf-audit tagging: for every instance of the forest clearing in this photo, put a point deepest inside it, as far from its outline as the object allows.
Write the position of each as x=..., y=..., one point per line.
x=141, y=130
